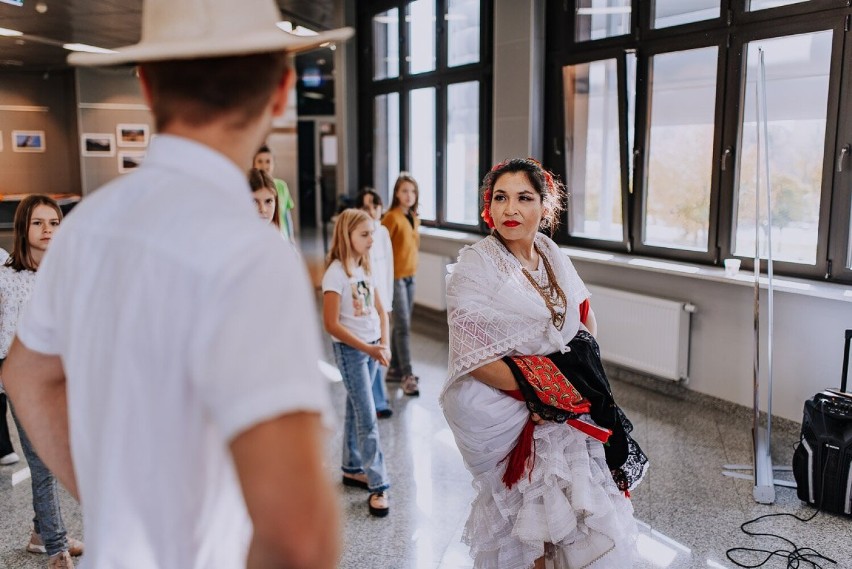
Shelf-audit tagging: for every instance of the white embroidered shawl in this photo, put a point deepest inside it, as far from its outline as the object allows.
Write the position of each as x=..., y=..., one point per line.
x=493, y=310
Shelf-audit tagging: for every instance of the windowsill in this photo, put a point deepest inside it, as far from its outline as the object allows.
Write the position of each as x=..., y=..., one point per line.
x=829, y=291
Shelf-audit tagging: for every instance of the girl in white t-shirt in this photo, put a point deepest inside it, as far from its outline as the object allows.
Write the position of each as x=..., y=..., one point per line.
x=381, y=265
x=355, y=318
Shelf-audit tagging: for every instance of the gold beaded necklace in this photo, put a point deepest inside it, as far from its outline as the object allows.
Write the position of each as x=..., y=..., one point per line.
x=552, y=294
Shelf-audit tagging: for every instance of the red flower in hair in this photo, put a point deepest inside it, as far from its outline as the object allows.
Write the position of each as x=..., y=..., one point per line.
x=486, y=209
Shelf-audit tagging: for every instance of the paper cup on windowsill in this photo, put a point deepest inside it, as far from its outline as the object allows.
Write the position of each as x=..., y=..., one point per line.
x=732, y=267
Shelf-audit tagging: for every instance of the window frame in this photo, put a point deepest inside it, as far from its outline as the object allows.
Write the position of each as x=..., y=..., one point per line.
x=730, y=32
x=642, y=140
x=733, y=137
x=441, y=77
x=557, y=152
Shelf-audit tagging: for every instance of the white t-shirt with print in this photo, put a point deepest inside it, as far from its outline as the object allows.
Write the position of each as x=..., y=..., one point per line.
x=357, y=301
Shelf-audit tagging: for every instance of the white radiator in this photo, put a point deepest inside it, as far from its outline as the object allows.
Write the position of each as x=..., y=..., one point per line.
x=643, y=332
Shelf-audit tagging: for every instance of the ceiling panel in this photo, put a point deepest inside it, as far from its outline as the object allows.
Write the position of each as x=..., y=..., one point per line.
x=104, y=23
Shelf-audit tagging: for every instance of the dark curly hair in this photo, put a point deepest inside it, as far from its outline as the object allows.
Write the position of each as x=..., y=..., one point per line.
x=551, y=190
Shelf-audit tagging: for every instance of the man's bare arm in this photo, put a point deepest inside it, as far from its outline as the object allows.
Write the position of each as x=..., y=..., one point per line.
x=36, y=384
x=292, y=505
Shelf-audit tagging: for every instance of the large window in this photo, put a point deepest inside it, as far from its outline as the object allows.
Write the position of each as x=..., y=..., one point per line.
x=656, y=129
x=797, y=73
x=427, y=114
x=592, y=149
x=680, y=148
x=386, y=142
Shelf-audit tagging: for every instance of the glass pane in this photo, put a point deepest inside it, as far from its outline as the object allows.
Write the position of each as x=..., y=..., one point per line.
x=849, y=245
x=386, y=144
x=462, y=204
x=597, y=19
x=386, y=44
x=797, y=73
x=764, y=4
x=592, y=150
x=676, y=12
x=680, y=149
x=422, y=147
x=421, y=36
x=631, y=114
x=462, y=32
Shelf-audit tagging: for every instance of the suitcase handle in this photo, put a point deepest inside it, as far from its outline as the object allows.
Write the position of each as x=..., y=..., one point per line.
x=846, y=361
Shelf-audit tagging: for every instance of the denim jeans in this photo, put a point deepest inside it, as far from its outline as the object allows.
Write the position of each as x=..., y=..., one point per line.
x=380, y=398
x=362, y=450
x=5, y=437
x=48, y=515
x=403, y=304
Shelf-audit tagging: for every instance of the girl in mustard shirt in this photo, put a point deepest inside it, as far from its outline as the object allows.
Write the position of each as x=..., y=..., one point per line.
x=402, y=224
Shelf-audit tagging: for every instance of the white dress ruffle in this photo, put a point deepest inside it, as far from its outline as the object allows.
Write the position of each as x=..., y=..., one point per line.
x=571, y=501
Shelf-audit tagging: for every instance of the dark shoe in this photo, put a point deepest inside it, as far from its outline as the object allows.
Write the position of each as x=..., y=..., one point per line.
x=384, y=413
x=378, y=504
x=410, y=386
x=393, y=376
x=356, y=480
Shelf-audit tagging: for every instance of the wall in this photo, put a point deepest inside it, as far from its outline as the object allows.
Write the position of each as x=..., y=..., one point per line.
x=808, y=335
x=808, y=338
x=109, y=97
x=37, y=101
x=518, y=79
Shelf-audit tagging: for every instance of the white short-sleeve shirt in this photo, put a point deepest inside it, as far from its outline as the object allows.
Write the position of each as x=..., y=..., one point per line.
x=182, y=320
x=357, y=301
x=381, y=263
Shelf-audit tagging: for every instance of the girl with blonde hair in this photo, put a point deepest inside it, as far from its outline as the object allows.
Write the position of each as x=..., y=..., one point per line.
x=355, y=318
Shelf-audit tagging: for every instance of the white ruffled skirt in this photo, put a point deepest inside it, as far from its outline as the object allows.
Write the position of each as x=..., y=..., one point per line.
x=570, y=501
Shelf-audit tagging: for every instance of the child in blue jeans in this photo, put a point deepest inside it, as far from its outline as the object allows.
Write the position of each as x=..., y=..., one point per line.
x=356, y=320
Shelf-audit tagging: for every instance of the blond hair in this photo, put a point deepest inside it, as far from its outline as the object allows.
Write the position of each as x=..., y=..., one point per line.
x=341, y=241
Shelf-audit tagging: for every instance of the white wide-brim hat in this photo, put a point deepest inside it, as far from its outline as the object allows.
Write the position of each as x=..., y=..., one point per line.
x=192, y=29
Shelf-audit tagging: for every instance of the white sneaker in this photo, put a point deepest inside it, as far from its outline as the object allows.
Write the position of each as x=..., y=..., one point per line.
x=10, y=458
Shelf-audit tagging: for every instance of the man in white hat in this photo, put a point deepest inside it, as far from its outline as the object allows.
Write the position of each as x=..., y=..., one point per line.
x=148, y=366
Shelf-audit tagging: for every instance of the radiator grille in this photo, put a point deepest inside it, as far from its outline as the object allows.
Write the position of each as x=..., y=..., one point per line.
x=642, y=332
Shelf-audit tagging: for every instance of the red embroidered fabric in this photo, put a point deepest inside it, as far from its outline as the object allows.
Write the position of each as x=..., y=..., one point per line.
x=551, y=385
x=552, y=388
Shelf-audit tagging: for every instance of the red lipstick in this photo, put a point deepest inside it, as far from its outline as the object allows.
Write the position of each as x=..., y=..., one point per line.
x=511, y=223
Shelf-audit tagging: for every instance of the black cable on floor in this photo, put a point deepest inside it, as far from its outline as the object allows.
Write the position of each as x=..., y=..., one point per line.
x=798, y=557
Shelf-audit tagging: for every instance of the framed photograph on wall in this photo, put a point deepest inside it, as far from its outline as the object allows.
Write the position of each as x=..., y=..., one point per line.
x=132, y=135
x=97, y=144
x=129, y=160
x=28, y=141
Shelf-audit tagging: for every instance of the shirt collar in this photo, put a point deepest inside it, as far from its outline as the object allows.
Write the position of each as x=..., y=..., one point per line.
x=198, y=160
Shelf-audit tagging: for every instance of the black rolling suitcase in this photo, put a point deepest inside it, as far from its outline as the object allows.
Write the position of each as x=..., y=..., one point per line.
x=822, y=463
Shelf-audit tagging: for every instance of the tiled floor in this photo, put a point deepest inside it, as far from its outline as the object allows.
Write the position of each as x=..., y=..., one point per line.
x=689, y=513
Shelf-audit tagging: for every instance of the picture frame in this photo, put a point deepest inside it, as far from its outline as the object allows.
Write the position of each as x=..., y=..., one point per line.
x=129, y=160
x=28, y=141
x=132, y=135
x=97, y=144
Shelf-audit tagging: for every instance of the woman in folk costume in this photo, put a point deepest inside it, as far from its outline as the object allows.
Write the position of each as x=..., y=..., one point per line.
x=527, y=398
